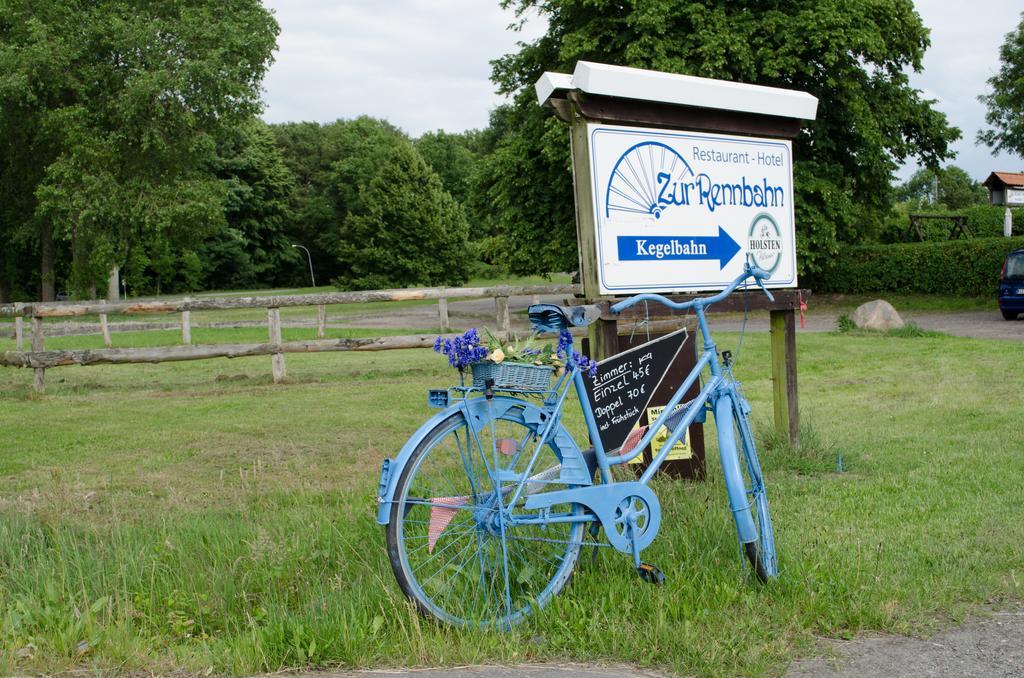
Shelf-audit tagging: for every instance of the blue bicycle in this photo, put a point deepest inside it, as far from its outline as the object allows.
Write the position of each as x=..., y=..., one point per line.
x=486, y=506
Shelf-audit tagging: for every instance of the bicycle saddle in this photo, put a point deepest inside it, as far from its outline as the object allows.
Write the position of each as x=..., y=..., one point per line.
x=555, y=318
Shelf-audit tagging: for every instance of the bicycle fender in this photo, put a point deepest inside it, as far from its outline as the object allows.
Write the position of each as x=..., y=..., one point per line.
x=478, y=412
x=739, y=502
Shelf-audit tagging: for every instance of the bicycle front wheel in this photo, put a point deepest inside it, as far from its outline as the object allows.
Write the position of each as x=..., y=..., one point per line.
x=452, y=540
x=745, y=485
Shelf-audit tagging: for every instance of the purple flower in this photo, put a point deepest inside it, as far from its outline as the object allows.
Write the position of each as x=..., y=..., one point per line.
x=564, y=343
x=584, y=363
x=462, y=351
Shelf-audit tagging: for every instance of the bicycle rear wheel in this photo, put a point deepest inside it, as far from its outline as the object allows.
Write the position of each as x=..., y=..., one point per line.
x=450, y=543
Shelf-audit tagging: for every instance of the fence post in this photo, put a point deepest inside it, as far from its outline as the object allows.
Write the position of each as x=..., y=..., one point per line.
x=105, y=328
x=39, y=381
x=442, y=313
x=783, y=348
x=186, y=327
x=19, y=333
x=504, y=321
x=321, y=320
x=277, y=358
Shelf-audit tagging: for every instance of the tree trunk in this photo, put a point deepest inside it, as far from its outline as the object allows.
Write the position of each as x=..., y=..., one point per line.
x=114, y=285
x=47, y=277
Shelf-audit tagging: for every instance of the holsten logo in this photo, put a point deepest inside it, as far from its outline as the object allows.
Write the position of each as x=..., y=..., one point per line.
x=764, y=242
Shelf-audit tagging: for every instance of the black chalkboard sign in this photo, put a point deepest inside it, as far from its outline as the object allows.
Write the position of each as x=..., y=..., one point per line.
x=625, y=383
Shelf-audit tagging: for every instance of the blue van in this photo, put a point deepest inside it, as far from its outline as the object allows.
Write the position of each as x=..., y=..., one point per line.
x=1011, y=285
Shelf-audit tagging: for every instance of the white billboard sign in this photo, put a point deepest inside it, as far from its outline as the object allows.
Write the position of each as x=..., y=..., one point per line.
x=1014, y=196
x=682, y=211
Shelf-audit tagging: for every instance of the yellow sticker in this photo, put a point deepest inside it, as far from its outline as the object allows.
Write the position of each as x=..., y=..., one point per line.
x=681, y=450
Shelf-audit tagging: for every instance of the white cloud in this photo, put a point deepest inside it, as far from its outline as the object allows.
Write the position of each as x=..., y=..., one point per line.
x=964, y=54
x=424, y=64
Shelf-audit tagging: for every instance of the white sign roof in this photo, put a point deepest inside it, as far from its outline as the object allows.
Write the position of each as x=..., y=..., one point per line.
x=687, y=90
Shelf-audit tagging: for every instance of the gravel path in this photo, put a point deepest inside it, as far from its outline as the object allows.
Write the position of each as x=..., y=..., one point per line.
x=481, y=312
x=989, y=647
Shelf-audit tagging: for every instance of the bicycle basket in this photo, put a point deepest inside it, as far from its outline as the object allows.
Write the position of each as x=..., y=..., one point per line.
x=513, y=376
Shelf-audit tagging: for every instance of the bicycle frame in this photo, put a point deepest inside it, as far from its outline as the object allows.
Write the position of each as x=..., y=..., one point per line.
x=709, y=392
x=503, y=498
x=718, y=394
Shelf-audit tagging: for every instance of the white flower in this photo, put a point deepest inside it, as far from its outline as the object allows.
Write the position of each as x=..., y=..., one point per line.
x=497, y=356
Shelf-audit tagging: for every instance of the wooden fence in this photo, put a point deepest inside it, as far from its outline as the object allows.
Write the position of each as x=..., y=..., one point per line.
x=40, y=360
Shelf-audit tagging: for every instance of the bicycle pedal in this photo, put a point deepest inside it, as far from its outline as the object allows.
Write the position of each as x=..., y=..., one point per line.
x=651, y=574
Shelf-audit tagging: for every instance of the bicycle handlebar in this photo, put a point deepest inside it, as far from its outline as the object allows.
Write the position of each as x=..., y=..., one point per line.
x=758, y=274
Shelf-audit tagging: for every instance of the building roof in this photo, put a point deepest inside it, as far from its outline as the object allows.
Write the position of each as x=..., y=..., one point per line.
x=998, y=180
x=687, y=90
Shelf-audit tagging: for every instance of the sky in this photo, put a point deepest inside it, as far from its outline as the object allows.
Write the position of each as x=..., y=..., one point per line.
x=424, y=64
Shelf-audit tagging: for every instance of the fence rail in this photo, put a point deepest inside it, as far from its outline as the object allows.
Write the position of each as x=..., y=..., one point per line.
x=40, y=360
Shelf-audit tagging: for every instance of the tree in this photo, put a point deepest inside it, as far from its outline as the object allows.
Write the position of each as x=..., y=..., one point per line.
x=453, y=157
x=309, y=151
x=949, y=187
x=254, y=248
x=118, y=105
x=851, y=55
x=397, y=226
x=1006, y=101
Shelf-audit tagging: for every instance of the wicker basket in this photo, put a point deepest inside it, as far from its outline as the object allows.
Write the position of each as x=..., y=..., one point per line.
x=513, y=376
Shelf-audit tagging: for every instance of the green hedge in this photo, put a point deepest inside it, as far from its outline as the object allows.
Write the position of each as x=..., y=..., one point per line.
x=958, y=267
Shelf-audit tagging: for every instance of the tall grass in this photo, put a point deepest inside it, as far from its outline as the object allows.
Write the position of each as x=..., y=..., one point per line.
x=196, y=517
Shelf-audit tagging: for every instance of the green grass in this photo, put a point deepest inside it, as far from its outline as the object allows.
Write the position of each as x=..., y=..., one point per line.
x=195, y=516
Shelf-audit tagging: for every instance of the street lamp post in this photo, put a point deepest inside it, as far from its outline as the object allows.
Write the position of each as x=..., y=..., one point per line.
x=310, y=259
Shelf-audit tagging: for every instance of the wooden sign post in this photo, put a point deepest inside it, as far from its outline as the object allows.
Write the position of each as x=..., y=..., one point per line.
x=678, y=182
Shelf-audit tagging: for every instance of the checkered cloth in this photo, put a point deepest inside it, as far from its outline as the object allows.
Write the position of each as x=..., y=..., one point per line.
x=634, y=437
x=442, y=510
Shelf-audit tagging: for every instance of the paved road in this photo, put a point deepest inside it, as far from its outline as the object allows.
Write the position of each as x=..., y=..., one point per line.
x=989, y=647
x=549, y=670
x=481, y=312
x=986, y=648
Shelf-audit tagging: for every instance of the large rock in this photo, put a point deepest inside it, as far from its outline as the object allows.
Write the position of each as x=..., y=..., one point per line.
x=877, y=315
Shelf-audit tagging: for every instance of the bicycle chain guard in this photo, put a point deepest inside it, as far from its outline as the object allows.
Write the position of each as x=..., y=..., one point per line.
x=608, y=503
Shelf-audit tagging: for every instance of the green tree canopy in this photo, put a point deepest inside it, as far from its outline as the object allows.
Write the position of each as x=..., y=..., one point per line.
x=116, y=107
x=397, y=225
x=851, y=54
x=255, y=248
x=453, y=157
x=949, y=187
x=1006, y=101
